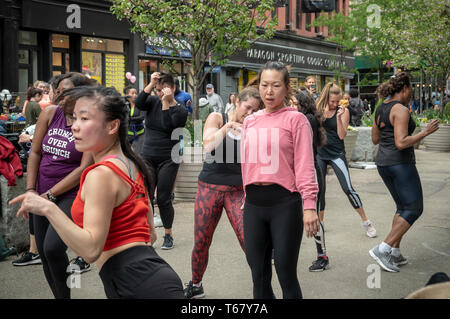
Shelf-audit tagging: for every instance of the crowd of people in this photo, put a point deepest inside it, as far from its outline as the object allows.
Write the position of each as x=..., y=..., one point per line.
x=114, y=163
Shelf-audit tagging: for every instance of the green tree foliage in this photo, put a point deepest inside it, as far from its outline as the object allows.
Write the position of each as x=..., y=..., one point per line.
x=211, y=30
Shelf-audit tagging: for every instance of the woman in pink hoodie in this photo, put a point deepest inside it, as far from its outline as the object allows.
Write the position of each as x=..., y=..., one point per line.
x=280, y=185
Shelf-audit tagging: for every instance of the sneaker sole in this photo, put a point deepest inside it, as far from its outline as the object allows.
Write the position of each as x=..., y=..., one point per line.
x=167, y=248
x=380, y=263
x=34, y=262
x=320, y=270
x=198, y=296
x=401, y=263
x=78, y=272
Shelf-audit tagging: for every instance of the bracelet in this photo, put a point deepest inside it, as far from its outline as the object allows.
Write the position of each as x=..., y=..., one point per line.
x=30, y=189
x=50, y=196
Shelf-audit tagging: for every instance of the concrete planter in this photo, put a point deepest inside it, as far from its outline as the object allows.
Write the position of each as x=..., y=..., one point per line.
x=349, y=143
x=439, y=141
x=14, y=230
x=187, y=177
x=364, y=150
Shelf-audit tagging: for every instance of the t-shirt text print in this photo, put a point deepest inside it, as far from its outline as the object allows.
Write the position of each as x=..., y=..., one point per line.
x=57, y=146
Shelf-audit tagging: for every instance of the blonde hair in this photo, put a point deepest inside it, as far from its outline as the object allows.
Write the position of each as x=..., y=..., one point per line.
x=324, y=99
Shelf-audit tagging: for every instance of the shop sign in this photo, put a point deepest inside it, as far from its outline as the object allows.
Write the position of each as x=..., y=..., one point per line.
x=297, y=57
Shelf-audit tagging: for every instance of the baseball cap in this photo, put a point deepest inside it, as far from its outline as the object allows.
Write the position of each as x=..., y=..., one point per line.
x=210, y=86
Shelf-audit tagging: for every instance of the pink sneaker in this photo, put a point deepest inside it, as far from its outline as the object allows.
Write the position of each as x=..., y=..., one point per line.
x=370, y=230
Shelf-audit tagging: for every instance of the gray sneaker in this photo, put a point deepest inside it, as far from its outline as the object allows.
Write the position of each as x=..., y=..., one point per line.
x=399, y=261
x=383, y=259
x=168, y=242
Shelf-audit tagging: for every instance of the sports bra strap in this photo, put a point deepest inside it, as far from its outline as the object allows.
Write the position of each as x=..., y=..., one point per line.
x=129, y=166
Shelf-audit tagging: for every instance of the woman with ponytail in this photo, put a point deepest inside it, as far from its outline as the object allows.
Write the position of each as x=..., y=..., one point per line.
x=112, y=220
x=392, y=129
x=335, y=119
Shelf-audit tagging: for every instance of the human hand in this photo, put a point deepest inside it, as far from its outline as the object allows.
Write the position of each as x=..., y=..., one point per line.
x=154, y=78
x=311, y=222
x=167, y=95
x=340, y=111
x=32, y=202
x=235, y=128
x=24, y=138
x=432, y=127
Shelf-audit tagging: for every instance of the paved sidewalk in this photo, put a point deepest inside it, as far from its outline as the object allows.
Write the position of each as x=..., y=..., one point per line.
x=353, y=273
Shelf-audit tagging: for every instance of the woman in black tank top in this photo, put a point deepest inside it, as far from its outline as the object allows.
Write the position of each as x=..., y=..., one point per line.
x=219, y=183
x=392, y=129
x=335, y=119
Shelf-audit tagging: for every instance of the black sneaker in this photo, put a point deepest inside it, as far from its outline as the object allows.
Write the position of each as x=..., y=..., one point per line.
x=320, y=264
x=193, y=292
x=78, y=266
x=168, y=242
x=28, y=258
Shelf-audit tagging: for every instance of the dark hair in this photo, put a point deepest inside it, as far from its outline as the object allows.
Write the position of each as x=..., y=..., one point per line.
x=277, y=66
x=308, y=106
x=394, y=85
x=77, y=79
x=353, y=93
x=32, y=92
x=166, y=78
x=128, y=88
x=109, y=101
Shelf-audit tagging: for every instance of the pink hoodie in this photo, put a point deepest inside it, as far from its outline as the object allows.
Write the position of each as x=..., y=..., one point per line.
x=277, y=148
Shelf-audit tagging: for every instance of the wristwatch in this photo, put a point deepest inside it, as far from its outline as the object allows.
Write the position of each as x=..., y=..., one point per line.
x=50, y=196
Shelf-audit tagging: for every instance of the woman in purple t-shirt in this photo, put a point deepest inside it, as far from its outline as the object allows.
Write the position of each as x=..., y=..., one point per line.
x=53, y=170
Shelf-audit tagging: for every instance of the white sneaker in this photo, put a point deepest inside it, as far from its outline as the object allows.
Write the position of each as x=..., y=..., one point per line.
x=157, y=220
x=370, y=230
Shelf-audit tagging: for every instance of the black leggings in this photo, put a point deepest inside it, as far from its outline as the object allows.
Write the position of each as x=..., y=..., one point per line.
x=139, y=273
x=403, y=182
x=273, y=220
x=164, y=172
x=340, y=168
x=52, y=251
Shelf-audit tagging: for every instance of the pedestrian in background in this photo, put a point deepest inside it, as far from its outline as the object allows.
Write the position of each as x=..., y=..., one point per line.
x=214, y=99
x=335, y=119
x=392, y=129
x=280, y=189
x=34, y=96
x=136, y=118
x=164, y=115
x=231, y=102
x=307, y=106
x=356, y=108
x=310, y=85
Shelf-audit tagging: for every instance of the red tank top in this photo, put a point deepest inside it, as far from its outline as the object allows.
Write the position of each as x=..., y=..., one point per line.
x=129, y=221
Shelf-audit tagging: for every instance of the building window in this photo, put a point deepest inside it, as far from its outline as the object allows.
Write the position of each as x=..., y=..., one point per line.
x=60, y=41
x=27, y=38
x=308, y=22
x=60, y=54
x=103, y=60
x=316, y=16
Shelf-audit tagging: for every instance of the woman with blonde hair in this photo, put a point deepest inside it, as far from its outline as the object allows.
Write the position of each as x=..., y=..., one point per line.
x=335, y=119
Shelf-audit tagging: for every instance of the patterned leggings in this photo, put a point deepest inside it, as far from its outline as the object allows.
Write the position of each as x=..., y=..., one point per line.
x=209, y=203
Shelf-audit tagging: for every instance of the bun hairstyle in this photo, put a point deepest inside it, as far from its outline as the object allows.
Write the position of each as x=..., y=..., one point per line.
x=109, y=101
x=308, y=106
x=394, y=85
x=250, y=92
x=324, y=98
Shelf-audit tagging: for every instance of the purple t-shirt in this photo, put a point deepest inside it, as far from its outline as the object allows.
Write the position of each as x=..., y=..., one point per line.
x=59, y=156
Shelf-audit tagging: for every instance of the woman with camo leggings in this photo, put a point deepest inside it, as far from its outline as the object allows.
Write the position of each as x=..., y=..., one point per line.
x=219, y=183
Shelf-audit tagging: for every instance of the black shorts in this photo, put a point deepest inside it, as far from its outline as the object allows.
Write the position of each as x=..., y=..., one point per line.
x=139, y=273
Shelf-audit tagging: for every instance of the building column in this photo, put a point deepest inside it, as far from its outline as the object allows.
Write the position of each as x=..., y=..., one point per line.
x=10, y=44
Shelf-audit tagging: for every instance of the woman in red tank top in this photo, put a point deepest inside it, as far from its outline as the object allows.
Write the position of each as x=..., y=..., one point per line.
x=112, y=220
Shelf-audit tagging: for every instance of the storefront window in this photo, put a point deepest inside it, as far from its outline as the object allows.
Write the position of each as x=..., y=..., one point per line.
x=100, y=44
x=27, y=38
x=92, y=65
x=60, y=41
x=114, y=71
